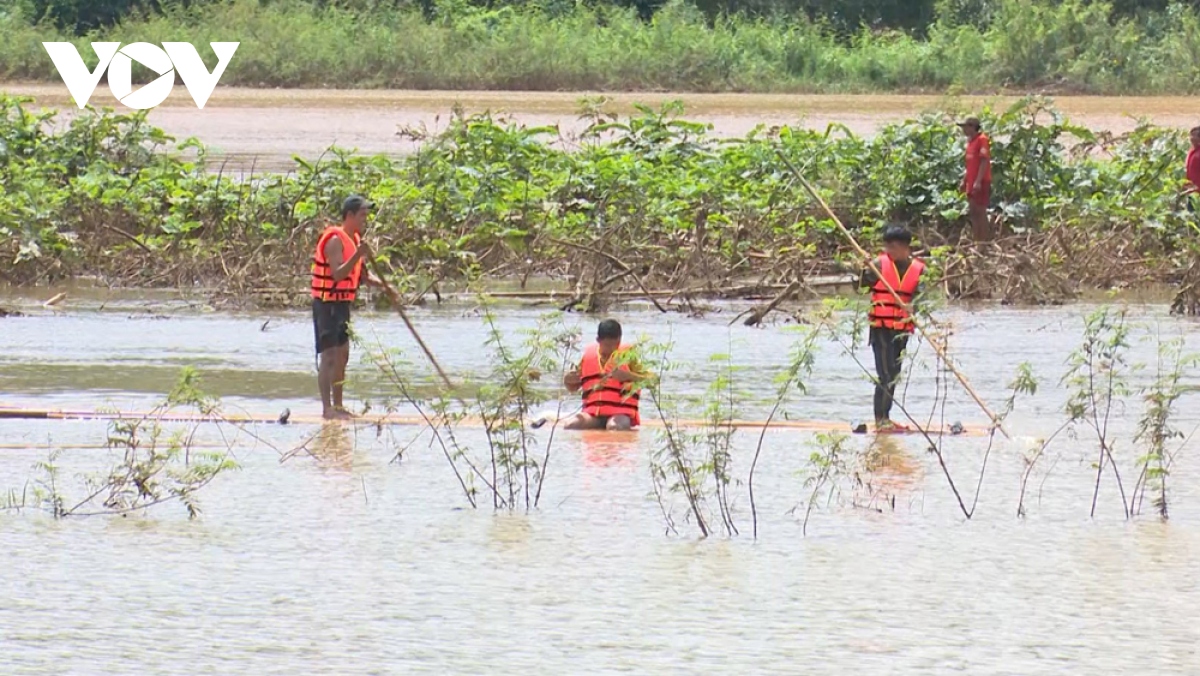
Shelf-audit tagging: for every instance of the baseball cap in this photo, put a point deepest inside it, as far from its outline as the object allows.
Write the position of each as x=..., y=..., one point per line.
x=354, y=203
x=971, y=122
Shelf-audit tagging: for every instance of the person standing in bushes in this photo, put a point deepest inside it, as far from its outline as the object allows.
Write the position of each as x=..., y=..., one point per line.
x=1192, y=167
x=977, y=182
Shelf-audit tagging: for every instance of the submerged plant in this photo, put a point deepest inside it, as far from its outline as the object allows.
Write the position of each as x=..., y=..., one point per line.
x=1155, y=430
x=508, y=396
x=676, y=465
x=511, y=468
x=831, y=462
x=154, y=465
x=1097, y=378
x=720, y=411
x=441, y=414
x=791, y=380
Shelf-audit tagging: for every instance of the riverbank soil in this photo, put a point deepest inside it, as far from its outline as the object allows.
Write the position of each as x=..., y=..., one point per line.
x=261, y=129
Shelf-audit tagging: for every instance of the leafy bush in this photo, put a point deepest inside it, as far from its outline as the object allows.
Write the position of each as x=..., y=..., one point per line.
x=657, y=193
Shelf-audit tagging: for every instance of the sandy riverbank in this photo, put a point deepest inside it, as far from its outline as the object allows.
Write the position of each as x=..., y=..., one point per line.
x=263, y=128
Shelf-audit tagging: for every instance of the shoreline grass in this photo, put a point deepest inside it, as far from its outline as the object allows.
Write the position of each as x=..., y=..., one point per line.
x=1029, y=45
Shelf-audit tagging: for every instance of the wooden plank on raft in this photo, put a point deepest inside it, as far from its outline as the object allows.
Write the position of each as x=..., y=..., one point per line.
x=398, y=420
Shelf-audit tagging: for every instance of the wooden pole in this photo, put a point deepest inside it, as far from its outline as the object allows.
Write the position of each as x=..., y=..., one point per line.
x=399, y=302
x=870, y=260
x=246, y=418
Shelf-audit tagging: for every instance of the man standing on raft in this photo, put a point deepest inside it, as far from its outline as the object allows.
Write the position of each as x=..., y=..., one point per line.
x=891, y=324
x=336, y=273
x=608, y=377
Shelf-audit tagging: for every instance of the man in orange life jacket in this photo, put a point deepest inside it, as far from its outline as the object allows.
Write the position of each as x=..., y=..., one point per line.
x=336, y=273
x=890, y=322
x=608, y=378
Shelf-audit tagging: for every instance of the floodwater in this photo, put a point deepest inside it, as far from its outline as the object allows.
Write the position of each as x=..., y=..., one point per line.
x=261, y=129
x=343, y=562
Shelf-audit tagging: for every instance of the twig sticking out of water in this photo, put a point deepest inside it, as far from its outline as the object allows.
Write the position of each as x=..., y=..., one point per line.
x=792, y=379
x=1096, y=381
x=155, y=466
x=511, y=470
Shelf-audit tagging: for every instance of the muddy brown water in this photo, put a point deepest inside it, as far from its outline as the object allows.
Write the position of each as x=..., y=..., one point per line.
x=346, y=563
x=254, y=129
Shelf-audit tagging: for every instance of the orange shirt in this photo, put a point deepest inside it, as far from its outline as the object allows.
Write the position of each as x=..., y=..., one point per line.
x=978, y=149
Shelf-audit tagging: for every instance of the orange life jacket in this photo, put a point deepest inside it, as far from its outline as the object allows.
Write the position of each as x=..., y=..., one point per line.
x=605, y=396
x=885, y=311
x=323, y=286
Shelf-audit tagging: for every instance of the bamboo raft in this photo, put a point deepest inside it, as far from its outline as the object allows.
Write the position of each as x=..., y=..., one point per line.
x=398, y=420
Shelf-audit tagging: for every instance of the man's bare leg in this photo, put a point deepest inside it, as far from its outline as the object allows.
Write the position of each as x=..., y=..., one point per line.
x=326, y=372
x=981, y=230
x=584, y=421
x=342, y=357
x=620, y=423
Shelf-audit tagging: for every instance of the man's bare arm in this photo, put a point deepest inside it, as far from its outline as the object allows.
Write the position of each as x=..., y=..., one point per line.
x=985, y=164
x=572, y=381
x=341, y=269
x=634, y=373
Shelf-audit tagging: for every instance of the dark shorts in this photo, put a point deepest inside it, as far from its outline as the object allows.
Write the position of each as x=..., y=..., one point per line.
x=603, y=419
x=331, y=324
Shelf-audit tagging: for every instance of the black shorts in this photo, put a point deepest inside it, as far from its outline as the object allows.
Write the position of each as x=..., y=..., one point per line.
x=603, y=419
x=331, y=324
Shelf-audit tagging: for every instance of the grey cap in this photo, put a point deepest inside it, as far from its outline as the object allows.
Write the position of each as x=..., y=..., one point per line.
x=355, y=203
x=971, y=122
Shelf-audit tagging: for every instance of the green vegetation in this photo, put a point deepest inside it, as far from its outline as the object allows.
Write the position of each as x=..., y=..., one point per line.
x=511, y=467
x=1131, y=46
x=649, y=202
x=152, y=465
x=1100, y=382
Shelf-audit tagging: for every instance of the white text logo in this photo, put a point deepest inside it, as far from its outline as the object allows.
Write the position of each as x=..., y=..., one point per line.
x=179, y=56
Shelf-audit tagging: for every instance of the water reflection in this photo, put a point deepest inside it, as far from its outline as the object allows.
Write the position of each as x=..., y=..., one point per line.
x=510, y=534
x=718, y=566
x=891, y=468
x=333, y=447
x=602, y=448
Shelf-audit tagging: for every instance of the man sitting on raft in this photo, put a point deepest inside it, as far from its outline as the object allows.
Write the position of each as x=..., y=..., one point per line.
x=609, y=377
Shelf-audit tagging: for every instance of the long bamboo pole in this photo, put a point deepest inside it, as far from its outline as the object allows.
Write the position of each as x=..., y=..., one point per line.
x=870, y=260
x=406, y=420
x=399, y=303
